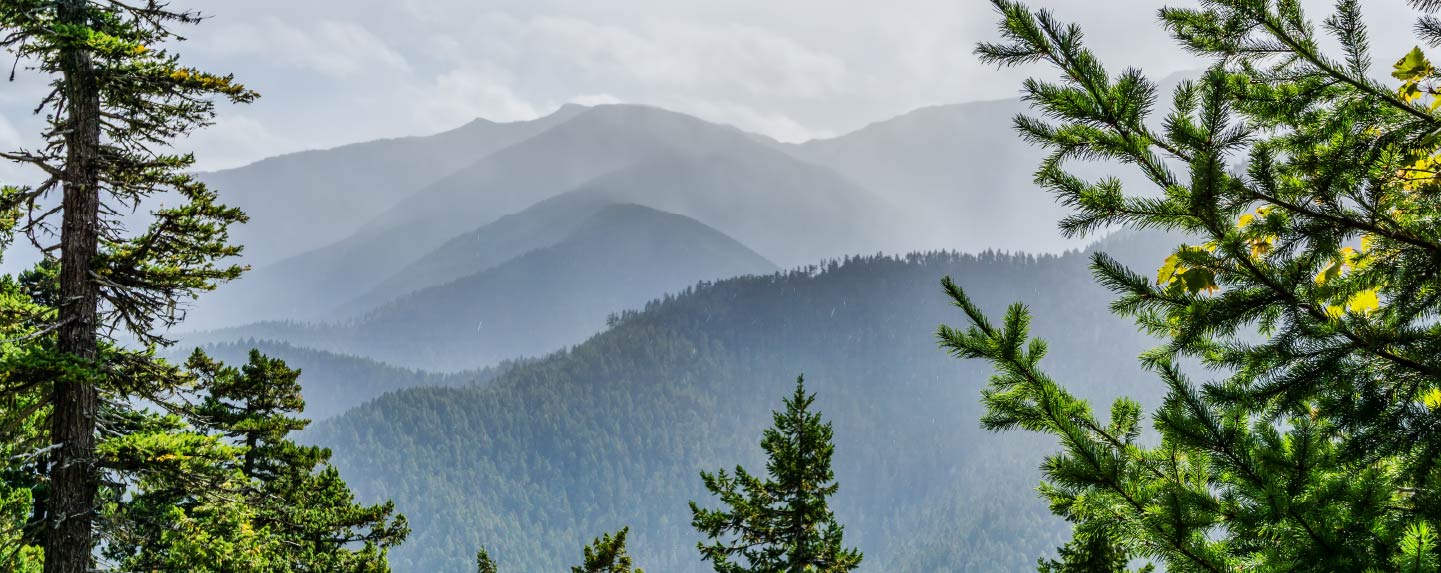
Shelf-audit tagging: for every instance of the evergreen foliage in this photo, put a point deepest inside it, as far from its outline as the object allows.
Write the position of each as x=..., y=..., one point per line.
x=607, y=555
x=483, y=563
x=333, y=382
x=1309, y=295
x=782, y=523
x=118, y=99
x=1088, y=552
x=289, y=510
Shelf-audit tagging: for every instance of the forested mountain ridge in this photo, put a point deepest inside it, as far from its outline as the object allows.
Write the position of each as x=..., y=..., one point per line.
x=617, y=257
x=333, y=383
x=613, y=431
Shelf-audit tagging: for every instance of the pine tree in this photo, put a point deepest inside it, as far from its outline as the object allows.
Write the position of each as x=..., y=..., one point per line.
x=607, y=555
x=483, y=564
x=297, y=495
x=781, y=524
x=254, y=407
x=1088, y=552
x=117, y=101
x=1309, y=294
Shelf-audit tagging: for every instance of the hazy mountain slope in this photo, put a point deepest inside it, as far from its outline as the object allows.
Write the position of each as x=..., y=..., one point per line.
x=613, y=432
x=302, y=201
x=966, y=177
x=793, y=212
x=333, y=383
x=596, y=142
x=618, y=258
x=539, y=226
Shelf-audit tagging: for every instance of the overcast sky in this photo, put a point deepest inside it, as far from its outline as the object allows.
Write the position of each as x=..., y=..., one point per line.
x=339, y=71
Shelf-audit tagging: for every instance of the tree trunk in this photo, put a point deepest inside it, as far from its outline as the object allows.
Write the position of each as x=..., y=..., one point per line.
x=69, y=541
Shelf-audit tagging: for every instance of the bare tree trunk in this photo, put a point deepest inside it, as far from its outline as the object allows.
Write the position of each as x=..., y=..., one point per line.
x=69, y=540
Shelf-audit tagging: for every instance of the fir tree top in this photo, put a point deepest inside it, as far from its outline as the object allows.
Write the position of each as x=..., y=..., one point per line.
x=783, y=523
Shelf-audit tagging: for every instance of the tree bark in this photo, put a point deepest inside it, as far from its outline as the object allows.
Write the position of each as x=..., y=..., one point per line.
x=70, y=540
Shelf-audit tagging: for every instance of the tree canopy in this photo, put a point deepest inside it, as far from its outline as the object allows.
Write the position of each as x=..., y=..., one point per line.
x=781, y=523
x=1308, y=296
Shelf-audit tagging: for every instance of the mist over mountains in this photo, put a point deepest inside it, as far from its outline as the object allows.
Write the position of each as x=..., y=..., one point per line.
x=406, y=199
x=527, y=333
x=617, y=257
x=425, y=212
x=612, y=432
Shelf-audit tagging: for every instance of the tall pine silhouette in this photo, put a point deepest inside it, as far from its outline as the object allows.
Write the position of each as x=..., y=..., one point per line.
x=782, y=523
x=118, y=99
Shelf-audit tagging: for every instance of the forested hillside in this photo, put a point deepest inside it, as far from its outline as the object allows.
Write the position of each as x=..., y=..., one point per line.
x=333, y=383
x=614, y=431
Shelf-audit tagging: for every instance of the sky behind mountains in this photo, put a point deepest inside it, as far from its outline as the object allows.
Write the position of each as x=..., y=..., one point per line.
x=338, y=71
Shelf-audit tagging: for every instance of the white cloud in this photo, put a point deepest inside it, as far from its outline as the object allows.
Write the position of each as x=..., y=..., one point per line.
x=335, y=71
x=15, y=173
x=9, y=136
x=778, y=126
x=336, y=49
x=595, y=99
x=675, y=55
x=235, y=140
x=465, y=93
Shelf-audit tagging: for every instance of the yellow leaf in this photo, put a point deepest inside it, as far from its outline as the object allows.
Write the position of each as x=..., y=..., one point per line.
x=1432, y=399
x=1262, y=245
x=1364, y=302
x=1167, y=274
x=1409, y=92
x=1412, y=67
x=1245, y=220
x=1331, y=272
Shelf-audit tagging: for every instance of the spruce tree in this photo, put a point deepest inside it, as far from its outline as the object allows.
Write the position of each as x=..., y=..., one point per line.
x=781, y=523
x=483, y=563
x=1306, y=290
x=607, y=555
x=1088, y=552
x=296, y=494
x=117, y=101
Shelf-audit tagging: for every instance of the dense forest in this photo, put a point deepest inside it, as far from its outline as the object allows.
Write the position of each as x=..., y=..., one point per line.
x=613, y=432
x=333, y=383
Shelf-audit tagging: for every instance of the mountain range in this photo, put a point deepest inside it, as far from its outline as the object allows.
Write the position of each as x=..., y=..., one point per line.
x=377, y=228
x=529, y=333
x=613, y=432
x=614, y=256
